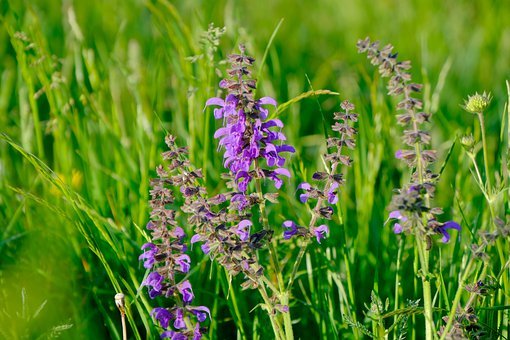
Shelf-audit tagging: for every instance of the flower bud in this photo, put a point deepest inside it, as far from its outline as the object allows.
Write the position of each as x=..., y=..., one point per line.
x=477, y=103
x=468, y=142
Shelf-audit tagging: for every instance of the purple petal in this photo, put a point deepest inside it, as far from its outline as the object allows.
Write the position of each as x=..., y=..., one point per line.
x=178, y=232
x=320, y=232
x=286, y=148
x=266, y=101
x=218, y=113
x=395, y=214
x=205, y=248
x=162, y=315
x=215, y=101
x=303, y=198
x=332, y=199
x=221, y=132
x=196, y=238
x=398, y=154
x=304, y=186
x=397, y=228
x=282, y=171
x=201, y=312
x=289, y=224
x=451, y=225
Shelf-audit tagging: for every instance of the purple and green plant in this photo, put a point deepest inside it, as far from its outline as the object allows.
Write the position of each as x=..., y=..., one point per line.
x=254, y=153
x=411, y=208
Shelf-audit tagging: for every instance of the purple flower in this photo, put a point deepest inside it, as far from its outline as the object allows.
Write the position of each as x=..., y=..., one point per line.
x=186, y=292
x=148, y=255
x=241, y=201
x=155, y=281
x=227, y=106
x=201, y=312
x=273, y=175
x=243, y=230
x=162, y=315
x=195, y=238
x=397, y=227
x=332, y=196
x=292, y=229
x=205, y=248
x=178, y=233
x=447, y=225
x=305, y=186
x=320, y=232
x=184, y=262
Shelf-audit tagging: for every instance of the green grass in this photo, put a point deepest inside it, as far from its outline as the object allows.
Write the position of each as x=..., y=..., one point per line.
x=89, y=90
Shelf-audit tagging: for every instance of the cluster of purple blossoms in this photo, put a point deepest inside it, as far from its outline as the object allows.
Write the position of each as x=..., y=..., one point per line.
x=410, y=208
x=247, y=136
x=165, y=256
x=331, y=180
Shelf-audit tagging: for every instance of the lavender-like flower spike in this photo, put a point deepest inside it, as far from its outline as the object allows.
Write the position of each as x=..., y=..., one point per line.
x=413, y=201
x=165, y=254
x=246, y=135
x=329, y=182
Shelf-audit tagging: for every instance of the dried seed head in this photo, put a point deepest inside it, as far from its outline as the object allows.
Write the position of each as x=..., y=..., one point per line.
x=120, y=302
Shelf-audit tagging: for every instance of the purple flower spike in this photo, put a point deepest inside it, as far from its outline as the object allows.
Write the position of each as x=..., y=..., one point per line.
x=292, y=229
x=186, y=292
x=148, y=255
x=320, y=232
x=444, y=227
x=162, y=315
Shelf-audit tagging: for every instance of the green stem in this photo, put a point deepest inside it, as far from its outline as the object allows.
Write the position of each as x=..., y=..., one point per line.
x=397, y=282
x=424, y=253
x=456, y=299
x=275, y=263
x=277, y=329
x=479, y=176
x=427, y=295
x=484, y=149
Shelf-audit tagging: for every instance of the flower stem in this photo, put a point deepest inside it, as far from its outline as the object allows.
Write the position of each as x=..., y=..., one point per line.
x=427, y=295
x=283, y=294
x=456, y=300
x=277, y=329
x=484, y=147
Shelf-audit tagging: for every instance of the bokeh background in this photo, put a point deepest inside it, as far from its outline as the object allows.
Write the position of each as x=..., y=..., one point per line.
x=88, y=90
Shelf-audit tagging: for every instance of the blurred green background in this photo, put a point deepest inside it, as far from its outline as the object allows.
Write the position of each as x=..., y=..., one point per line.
x=88, y=89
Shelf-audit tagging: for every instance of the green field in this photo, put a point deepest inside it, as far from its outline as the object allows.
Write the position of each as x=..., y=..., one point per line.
x=90, y=89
